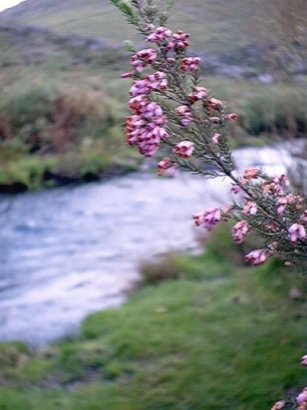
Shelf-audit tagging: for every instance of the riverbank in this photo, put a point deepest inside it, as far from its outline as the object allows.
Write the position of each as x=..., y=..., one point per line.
x=54, y=137
x=23, y=172
x=213, y=334
x=54, y=132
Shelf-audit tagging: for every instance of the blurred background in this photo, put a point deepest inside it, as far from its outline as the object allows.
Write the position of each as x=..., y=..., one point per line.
x=176, y=320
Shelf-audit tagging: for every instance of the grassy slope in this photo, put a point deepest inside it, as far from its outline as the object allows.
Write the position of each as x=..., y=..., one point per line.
x=216, y=26
x=221, y=337
x=28, y=89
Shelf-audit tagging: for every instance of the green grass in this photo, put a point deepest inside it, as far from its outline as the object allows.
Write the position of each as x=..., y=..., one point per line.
x=222, y=336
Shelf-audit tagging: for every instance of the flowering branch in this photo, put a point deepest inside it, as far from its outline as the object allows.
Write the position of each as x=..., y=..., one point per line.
x=169, y=107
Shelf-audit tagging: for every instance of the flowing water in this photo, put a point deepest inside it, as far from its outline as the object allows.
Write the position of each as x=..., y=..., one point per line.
x=67, y=252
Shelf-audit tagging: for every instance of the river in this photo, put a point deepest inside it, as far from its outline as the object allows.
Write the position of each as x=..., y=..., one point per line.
x=67, y=252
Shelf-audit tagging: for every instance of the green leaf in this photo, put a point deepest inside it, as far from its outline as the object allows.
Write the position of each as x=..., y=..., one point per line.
x=170, y=4
x=115, y=2
x=127, y=10
x=129, y=46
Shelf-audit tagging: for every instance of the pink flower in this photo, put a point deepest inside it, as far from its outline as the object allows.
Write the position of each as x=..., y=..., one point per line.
x=296, y=231
x=235, y=189
x=208, y=219
x=273, y=188
x=198, y=94
x=282, y=179
x=180, y=41
x=303, y=217
x=292, y=199
x=157, y=81
x=171, y=61
x=304, y=361
x=302, y=397
x=137, y=104
x=215, y=104
x=239, y=231
x=143, y=58
x=281, y=205
x=146, y=136
x=160, y=35
x=216, y=138
x=271, y=227
x=231, y=117
x=256, y=257
x=184, y=149
x=139, y=87
x=250, y=173
x=279, y=405
x=164, y=166
x=153, y=112
x=153, y=82
x=190, y=64
x=250, y=208
x=145, y=129
x=215, y=120
x=186, y=115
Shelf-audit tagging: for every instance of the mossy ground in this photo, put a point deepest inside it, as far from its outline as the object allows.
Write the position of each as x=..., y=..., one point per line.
x=220, y=336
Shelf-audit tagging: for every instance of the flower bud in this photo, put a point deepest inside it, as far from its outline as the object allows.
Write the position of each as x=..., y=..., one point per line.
x=184, y=149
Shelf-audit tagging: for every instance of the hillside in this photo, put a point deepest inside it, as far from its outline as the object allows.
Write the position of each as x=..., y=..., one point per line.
x=217, y=26
x=66, y=56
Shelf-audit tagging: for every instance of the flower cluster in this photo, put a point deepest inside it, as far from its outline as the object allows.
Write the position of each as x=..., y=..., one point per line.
x=257, y=257
x=143, y=58
x=163, y=37
x=199, y=93
x=145, y=128
x=153, y=82
x=185, y=115
x=268, y=208
x=166, y=166
x=208, y=219
x=297, y=231
x=239, y=231
x=184, y=149
x=190, y=65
